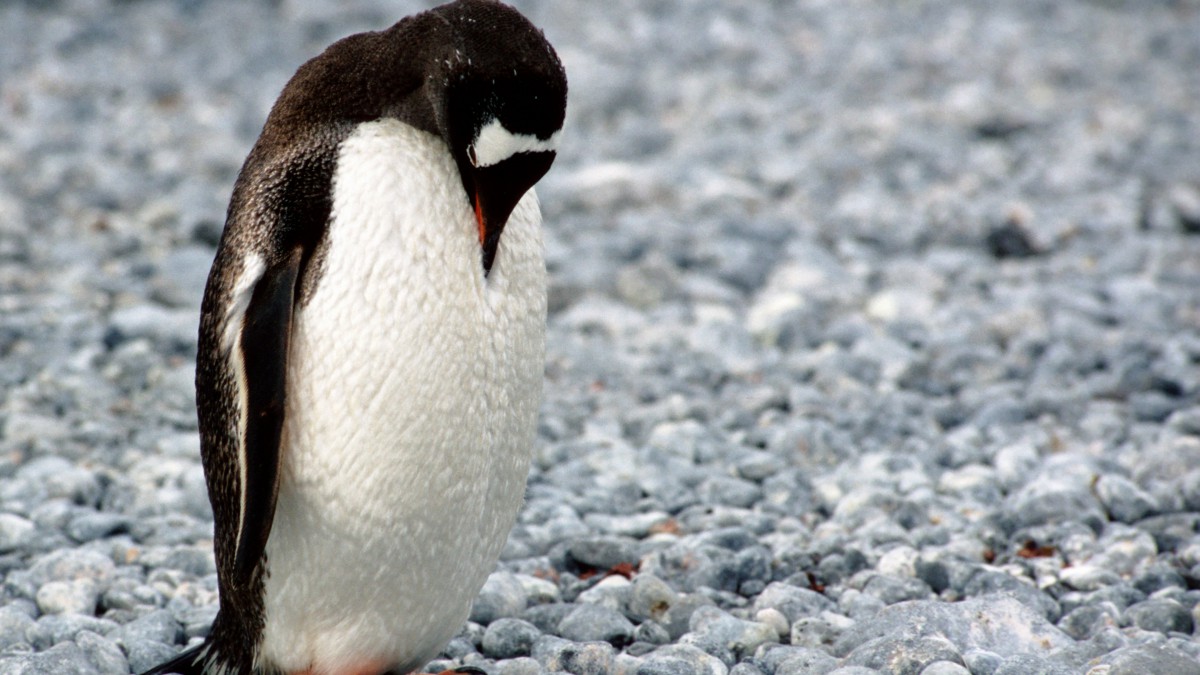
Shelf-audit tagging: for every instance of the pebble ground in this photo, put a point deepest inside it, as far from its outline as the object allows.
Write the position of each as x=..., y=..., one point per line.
x=874, y=342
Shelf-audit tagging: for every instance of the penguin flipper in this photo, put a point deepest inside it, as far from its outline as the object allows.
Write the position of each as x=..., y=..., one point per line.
x=266, y=329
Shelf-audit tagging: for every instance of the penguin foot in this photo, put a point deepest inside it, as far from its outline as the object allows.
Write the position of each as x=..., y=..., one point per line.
x=464, y=670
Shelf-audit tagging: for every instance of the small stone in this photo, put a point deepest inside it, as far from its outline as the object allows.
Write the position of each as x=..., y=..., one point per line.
x=61, y=658
x=589, y=658
x=739, y=636
x=804, y=661
x=52, y=629
x=945, y=668
x=106, y=656
x=775, y=619
x=145, y=654
x=892, y=589
x=650, y=598
x=1124, y=500
x=817, y=632
x=651, y=632
x=1161, y=615
x=603, y=553
x=904, y=654
x=982, y=662
x=539, y=591
x=680, y=613
x=612, y=592
x=547, y=617
x=729, y=491
x=680, y=659
x=91, y=526
x=593, y=623
x=792, y=601
x=77, y=596
x=1030, y=664
x=1083, y=622
x=507, y=638
x=1149, y=658
x=502, y=595
x=14, y=624
x=523, y=665
x=158, y=626
x=15, y=532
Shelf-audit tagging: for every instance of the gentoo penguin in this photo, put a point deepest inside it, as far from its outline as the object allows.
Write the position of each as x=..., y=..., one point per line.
x=372, y=345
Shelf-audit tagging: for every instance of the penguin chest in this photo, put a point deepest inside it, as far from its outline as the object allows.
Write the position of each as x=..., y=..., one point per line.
x=413, y=386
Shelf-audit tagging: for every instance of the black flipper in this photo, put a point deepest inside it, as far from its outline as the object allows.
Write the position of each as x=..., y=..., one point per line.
x=266, y=330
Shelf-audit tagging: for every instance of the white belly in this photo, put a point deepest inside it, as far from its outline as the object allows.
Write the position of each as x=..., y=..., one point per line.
x=413, y=387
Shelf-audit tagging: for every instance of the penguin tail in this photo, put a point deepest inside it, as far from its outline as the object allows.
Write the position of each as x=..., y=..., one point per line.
x=199, y=660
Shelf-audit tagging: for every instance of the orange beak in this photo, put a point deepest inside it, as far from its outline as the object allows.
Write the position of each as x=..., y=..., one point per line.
x=479, y=219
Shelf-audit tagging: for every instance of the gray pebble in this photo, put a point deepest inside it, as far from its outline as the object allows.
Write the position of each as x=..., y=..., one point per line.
x=1158, y=659
x=587, y=658
x=1160, y=615
x=1082, y=623
x=740, y=636
x=680, y=659
x=519, y=666
x=55, y=628
x=15, y=532
x=77, y=596
x=90, y=526
x=502, y=596
x=157, y=626
x=106, y=656
x=982, y=662
x=58, y=660
x=651, y=632
x=593, y=623
x=794, y=602
x=15, y=623
x=547, y=617
x=603, y=553
x=612, y=592
x=1029, y=664
x=650, y=598
x=507, y=638
x=805, y=661
x=679, y=614
x=945, y=668
x=1124, y=500
x=145, y=654
x=904, y=654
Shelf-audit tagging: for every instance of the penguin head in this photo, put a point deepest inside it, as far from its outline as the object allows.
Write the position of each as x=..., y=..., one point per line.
x=503, y=101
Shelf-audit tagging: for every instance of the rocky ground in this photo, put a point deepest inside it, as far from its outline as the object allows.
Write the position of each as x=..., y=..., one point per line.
x=874, y=341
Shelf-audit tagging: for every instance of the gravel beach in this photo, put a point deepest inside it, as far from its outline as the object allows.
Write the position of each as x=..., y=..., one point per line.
x=873, y=347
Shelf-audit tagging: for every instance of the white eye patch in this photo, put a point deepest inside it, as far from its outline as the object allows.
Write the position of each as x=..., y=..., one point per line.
x=494, y=144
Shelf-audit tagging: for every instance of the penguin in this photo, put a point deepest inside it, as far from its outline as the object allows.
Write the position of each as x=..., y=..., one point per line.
x=371, y=348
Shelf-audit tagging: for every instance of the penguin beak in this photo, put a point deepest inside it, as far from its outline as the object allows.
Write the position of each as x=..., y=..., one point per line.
x=497, y=190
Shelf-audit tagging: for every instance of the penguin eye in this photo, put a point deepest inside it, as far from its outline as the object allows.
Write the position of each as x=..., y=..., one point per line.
x=471, y=154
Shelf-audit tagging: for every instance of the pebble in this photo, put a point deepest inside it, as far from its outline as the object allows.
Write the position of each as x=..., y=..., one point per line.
x=509, y=638
x=1160, y=615
x=1124, y=500
x=793, y=602
x=679, y=659
x=77, y=596
x=502, y=595
x=587, y=658
x=823, y=402
x=595, y=623
x=740, y=636
x=650, y=598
